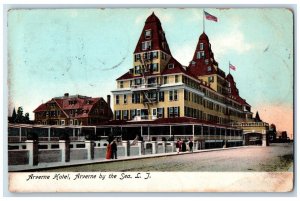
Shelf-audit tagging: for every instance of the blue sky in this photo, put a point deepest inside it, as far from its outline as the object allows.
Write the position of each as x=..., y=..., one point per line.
x=83, y=51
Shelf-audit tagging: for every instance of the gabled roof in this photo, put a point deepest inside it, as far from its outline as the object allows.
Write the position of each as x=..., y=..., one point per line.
x=79, y=102
x=157, y=36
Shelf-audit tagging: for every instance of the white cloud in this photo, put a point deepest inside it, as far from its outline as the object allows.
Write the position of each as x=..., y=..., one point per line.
x=184, y=54
x=232, y=41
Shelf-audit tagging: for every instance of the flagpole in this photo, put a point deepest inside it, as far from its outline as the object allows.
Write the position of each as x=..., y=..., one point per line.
x=203, y=21
x=229, y=67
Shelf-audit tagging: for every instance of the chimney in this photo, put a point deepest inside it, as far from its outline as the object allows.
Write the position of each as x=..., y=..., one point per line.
x=66, y=94
x=108, y=100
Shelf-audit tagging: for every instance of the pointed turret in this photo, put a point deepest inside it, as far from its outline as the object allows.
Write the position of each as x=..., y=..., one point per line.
x=203, y=62
x=257, y=118
x=152, y=37
x=233, y=91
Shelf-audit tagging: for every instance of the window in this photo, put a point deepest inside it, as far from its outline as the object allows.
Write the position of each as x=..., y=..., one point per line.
x=117, y=114
x=186, y=94
x=154, y=54
x=132, y=114
x=146, y=45
x=121, y=84
x=176, y=111
x=175, y=95
x=154, y=67
x=176, y=78
x=209, y=68
x=62, y=122
x=160, y=112
x=210, y=79
x=161, y=96
x=170, y=66
x=165, y=80
x=201, y=46
x=170, y=95
x=173, y=112
x=206, y=61
x=117, y=99
x=137, y=57
x=148, y=34
x=125, y=114
x=137, y=69
x=71, y=122
x=125, y=99
x=202, y=54
x=154, y=110
x=138, y=81
x=136, y=98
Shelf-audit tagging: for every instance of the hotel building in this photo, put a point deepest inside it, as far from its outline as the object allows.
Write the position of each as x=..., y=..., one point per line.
x=159, y=87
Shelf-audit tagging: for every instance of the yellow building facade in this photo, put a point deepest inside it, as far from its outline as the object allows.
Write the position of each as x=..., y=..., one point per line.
x=158, y=86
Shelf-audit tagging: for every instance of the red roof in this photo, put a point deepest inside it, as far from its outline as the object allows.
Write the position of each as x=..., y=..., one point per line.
x=79, y=102
x=200, y=66
x=234, y=92
x=158, y=39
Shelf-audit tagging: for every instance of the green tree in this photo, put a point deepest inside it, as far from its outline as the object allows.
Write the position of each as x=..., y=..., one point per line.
x=26, y=118
x=20, y=117
x=14, y=116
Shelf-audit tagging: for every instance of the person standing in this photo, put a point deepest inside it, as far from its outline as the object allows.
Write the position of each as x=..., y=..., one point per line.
x=183, y=146
x=114, y=150
x=191, y=145
x=108, y=151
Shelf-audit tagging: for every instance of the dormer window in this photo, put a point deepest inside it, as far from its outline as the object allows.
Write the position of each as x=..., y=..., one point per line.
x=146, y=45
x=148, y=34
x=202, y=55
x=209, y=68
x=170, y=66
x=201, y=46
x=199, y=54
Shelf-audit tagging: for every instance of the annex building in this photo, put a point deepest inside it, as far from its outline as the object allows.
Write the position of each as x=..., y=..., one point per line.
x=73, y=110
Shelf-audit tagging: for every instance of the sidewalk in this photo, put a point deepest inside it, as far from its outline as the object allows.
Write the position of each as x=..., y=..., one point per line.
x=44, y=166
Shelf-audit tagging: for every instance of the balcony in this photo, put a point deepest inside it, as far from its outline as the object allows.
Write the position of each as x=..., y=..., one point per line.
x=144, y=87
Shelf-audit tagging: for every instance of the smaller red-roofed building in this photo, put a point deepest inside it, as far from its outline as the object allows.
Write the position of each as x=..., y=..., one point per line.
x=73, y=110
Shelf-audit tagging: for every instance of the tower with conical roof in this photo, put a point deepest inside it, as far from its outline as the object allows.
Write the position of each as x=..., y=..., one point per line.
x=206, y=68
x=152, y=51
